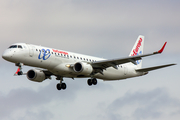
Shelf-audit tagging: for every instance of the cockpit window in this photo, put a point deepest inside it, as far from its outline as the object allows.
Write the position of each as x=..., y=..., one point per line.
x=13, y=46
x=19, y=46
x=16, y=46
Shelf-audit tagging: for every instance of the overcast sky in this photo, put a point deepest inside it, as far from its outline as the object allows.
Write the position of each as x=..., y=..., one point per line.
x=100, y=28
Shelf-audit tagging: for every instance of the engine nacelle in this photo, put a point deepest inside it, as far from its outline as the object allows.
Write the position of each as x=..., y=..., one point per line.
x=36, y=75
x=83, y=68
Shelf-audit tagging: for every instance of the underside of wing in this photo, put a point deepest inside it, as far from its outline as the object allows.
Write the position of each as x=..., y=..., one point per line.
x=47, y=73
x=153, y=68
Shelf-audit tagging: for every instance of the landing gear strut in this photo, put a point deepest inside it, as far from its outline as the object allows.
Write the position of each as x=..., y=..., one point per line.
x=92, y=81
x=60, y=85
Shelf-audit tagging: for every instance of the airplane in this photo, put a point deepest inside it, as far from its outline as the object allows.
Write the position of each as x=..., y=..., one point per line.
x=65, y=64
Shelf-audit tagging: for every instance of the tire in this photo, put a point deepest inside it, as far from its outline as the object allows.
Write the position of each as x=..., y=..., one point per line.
x=63, y=86
x=20, y=73
x=58, y=86
x=89, y=82
x=94, y=81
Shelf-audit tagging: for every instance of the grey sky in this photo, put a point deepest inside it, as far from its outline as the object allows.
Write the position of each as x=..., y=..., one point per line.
x=101, y=28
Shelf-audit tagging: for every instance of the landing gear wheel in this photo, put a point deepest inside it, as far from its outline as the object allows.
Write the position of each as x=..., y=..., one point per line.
x=63, y=86
x=94, y=81
x=20, y=73
x=89, y=82
x=58, y=86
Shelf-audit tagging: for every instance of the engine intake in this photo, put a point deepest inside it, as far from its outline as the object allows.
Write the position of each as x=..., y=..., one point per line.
x=36, y=75
x=83, y=68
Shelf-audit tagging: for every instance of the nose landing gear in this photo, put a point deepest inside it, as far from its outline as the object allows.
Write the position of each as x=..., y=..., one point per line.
x=19, y=70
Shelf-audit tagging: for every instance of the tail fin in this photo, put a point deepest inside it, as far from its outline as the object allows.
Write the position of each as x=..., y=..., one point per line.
x=138, y=49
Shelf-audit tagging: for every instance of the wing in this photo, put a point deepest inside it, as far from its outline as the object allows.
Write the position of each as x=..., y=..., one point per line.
x=114, y=62
x=153, y=68
x=47, y=73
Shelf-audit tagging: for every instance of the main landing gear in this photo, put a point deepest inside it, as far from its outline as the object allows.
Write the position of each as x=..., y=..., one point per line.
x=92, y=81
x=60, y=85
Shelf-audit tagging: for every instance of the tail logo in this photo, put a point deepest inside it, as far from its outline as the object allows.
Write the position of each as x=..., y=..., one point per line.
x=135, y=51
x=139, y=61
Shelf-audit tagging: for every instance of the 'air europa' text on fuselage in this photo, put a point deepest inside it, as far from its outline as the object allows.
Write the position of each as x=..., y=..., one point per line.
x=57, y=51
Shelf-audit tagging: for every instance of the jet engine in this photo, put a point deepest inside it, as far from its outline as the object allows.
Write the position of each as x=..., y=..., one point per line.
x=36, y=75
x=83, y=68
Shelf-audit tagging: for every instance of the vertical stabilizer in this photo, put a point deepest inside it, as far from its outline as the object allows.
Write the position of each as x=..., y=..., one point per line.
x=138, y=49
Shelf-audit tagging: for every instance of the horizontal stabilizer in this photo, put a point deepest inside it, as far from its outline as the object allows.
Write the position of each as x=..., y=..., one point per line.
x=153, y=68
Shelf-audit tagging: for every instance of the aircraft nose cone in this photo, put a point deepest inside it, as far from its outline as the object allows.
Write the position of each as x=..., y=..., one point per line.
x=6, y=55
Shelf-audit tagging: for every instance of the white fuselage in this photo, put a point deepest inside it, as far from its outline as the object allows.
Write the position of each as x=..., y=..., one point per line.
x=58, y=62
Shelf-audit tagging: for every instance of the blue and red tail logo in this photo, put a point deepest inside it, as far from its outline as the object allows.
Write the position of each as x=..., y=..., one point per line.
x=135, y=51
x=139, y=61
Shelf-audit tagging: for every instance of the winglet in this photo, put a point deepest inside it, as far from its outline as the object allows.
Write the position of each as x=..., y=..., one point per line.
x=161, y=50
